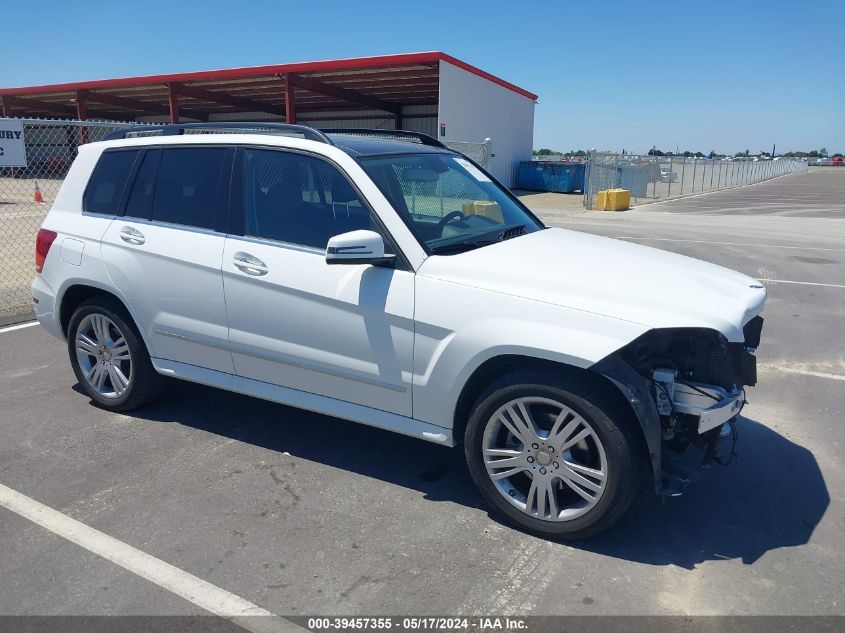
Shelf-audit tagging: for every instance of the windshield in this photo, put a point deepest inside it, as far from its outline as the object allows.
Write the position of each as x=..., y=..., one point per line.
x=449, y=204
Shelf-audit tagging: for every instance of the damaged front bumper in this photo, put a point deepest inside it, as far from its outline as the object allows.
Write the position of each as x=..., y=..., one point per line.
x=713, y=406
x=695, y=418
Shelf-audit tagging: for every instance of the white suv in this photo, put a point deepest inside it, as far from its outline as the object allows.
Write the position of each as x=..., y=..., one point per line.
x=385, y=279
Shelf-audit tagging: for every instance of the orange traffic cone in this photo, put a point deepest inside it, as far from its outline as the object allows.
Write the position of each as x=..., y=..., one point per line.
x=37, y=197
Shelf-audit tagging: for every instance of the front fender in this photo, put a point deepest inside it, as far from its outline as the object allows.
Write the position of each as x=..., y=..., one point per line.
x=637, y=392
x=446, y=357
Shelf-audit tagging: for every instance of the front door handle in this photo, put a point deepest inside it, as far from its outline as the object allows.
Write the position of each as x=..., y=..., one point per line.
x=132, y=236
x=249, y=264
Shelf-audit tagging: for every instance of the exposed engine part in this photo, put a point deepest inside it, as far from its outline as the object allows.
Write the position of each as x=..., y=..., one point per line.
x=702, y=407
x=664, y=389
x=681, y=468
x=697, y=355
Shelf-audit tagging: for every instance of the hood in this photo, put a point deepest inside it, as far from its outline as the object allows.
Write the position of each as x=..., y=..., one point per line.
x=610, y=277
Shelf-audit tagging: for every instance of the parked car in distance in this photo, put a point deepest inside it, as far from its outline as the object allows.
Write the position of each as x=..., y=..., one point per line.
x=383, y=278
x=667, y=175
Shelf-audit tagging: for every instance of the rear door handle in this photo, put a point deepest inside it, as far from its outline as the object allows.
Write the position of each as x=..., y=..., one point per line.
x=132, y=236
x=249, y=264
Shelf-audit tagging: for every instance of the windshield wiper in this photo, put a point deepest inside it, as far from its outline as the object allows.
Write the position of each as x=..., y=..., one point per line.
x=491, y=237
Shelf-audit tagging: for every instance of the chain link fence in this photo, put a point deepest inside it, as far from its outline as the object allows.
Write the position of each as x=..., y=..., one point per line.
x=26, y=194
x=481, y=153
x=655, y=178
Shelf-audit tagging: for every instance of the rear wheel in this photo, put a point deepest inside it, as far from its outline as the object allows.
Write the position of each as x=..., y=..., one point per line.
x=556, y=459
x=109, y=357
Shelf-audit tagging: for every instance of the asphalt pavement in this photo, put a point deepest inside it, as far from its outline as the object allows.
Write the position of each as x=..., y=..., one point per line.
x=299, y=513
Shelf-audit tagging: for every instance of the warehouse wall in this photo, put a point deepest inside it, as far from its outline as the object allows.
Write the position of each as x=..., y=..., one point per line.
x=474, y=108
x=422, y=118
x=417, y=118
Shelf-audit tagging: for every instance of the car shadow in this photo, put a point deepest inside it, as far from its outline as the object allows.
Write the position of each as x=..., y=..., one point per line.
x=772, y=496
x=437, y=471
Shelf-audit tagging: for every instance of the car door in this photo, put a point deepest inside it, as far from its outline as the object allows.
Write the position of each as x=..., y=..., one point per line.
x=342, y=331
x=165, y=252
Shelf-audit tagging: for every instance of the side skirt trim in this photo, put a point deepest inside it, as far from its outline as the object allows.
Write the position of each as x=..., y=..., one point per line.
x=285, y=360
x=304, y=400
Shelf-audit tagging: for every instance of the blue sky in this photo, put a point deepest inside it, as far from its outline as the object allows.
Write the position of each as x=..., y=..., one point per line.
x=706, y=75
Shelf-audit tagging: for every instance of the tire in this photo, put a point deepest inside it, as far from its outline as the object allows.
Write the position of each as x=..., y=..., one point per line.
x=109, y=357
x=590, y=483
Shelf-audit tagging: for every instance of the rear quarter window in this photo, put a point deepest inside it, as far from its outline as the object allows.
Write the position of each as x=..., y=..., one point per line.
x=108, y=181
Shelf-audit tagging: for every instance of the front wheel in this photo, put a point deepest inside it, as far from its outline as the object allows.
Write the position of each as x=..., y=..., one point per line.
x=557, y=460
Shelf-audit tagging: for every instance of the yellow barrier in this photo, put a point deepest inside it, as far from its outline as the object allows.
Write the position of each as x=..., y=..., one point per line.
x=613, y=200
x=601, y=200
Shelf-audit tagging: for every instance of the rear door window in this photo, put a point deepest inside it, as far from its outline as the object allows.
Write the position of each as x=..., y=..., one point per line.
x=105, y=189
x=192, y=186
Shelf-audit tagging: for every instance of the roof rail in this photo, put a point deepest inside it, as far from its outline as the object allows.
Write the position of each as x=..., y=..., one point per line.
x=175, y=129
x=423, y=139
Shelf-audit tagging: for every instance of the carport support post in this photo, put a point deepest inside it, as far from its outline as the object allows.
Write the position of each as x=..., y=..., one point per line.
x=81, y=106
x=290, y=99
x=82, y=115
x=173, y=99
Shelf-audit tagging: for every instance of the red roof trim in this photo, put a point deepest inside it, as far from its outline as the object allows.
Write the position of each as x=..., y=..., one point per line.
x=354, y=63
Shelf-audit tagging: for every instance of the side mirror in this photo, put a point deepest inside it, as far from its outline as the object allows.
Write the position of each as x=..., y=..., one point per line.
x=357, y=247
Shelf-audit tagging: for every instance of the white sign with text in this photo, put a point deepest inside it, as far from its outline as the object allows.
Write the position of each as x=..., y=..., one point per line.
x=12, y=147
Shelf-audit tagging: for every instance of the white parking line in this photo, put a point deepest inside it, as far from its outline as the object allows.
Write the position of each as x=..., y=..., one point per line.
x=803, y=372
x=19, y=326
x=667, y=239
x=196, y=590
x=802, y=283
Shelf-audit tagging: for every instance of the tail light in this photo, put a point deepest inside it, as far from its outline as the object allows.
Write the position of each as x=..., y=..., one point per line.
x=43, y=241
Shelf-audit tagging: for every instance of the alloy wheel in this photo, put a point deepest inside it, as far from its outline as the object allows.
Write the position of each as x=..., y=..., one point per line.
x=544, y=458
x=103, y=355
